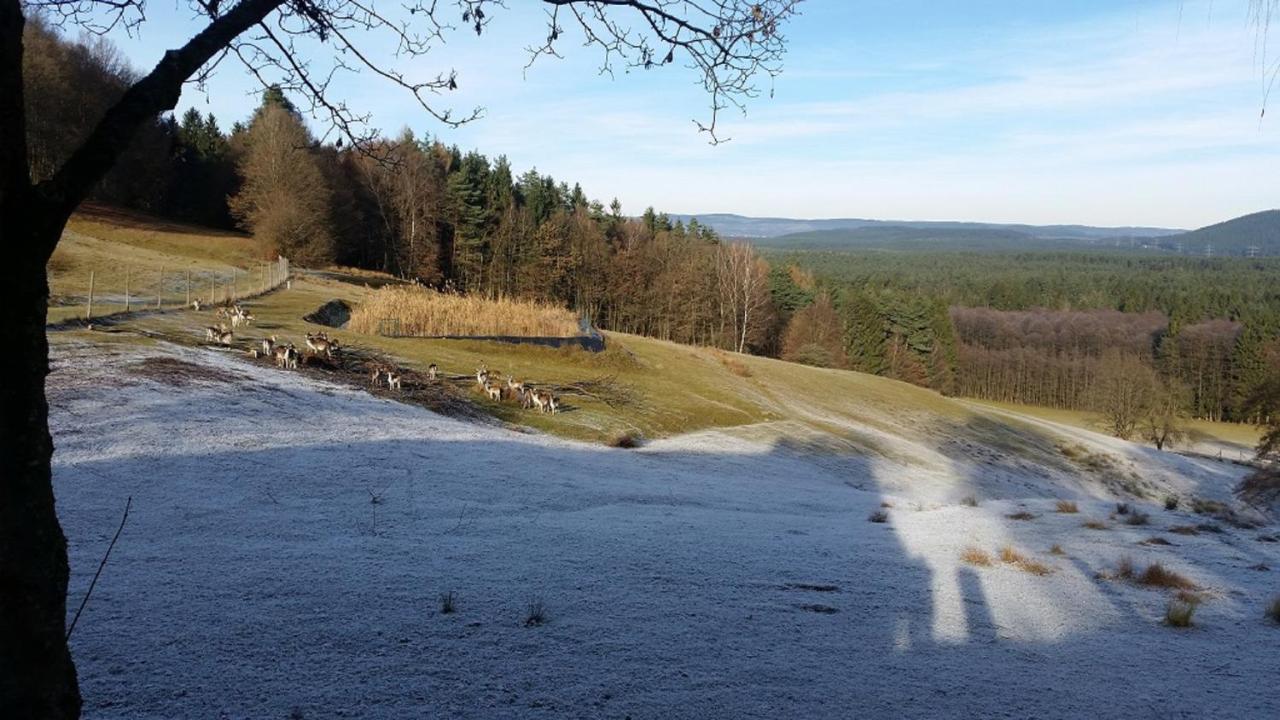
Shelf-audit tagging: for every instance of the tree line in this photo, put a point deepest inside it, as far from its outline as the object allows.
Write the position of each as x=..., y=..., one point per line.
x=411, y=206
x=1045, y=328
x=1052, y=329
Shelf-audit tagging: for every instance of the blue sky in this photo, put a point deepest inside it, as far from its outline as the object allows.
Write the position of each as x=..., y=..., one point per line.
x=1123, y=112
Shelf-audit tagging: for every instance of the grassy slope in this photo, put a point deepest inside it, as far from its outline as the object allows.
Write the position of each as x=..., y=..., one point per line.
x=1200, y=430
x=120, y=246
x=678, y=389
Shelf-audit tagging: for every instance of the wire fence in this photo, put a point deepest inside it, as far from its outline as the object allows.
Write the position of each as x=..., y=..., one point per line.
x=107, y=289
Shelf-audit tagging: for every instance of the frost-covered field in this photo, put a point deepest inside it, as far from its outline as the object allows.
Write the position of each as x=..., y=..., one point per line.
x=289, y=541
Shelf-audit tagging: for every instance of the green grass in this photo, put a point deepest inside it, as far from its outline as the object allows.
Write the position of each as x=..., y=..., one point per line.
x=676, y=388
x=148, y=256
x=1200, y=430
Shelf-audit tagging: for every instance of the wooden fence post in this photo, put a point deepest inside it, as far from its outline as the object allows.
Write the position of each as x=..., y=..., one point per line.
x=88, y=313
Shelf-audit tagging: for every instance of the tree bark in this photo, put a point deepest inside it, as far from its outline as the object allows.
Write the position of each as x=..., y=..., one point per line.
x=37, y=675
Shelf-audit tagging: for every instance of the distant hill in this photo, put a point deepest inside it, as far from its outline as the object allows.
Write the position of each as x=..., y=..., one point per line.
x=893, y=237
x=765, y=227
x=1260, y=231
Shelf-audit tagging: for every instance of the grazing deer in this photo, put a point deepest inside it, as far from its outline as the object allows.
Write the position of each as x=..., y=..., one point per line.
x=376, y=371
x=268, y=345
x=544, y=401
x=433, y=372
x=195, y=304
x=320, y=345
x=513, y=386
x=225, y=337
x=537, y=399
x=212, y=332
x=286, y=356
x=393, y=380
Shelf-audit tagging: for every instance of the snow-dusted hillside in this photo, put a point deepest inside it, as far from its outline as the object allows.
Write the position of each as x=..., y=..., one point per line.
x=289, y=541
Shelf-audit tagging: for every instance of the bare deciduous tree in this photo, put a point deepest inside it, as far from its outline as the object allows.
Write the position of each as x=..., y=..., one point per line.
x=742, y=277
x=729, y=43
x=1124, y=392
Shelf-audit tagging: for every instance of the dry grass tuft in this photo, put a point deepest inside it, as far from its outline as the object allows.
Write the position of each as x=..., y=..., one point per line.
x=1184, y=530
x=1011, y=556
x=1057, y=550
x=1125, y=569
x=1179, y=612
x=1122, y=508
x=419, y=312
x=878, y=516
x=626, y=440
x=1273, y=609
x=976, y=556
x=1096, y=525
x=969, y=501
x=1137, y=518
x=1021, y=515
x=733, y=364
x=1171, y=503
x=1156, y=575
x=1067, y=506
x=535, y=613
x=448, y=603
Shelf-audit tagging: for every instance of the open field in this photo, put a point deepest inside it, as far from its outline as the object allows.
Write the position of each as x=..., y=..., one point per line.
x=779, y=530
x=291, y=538
x=1205, y=435
x=146, y=256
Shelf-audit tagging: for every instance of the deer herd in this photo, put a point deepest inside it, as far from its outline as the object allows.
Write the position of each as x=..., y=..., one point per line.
x=287, y=357
x=528, y=396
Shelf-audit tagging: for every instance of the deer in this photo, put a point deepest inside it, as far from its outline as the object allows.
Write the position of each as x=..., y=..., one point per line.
x=544, y=401
x=393, y=380
x=525, y=396
x=482, y=375
x=286, y=356
x=493, y=390
x=268, y=344
x=225, y=337
x=321, y=344
x=537, y=399
x=433, y=372
x=376, y=371
x=195, y=305
x=516, y=387
x=211, y=333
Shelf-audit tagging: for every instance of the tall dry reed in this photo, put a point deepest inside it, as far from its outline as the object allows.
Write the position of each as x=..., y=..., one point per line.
x=420, y=312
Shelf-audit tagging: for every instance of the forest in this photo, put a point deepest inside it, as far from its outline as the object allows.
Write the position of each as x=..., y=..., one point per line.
x=1052, y=329
x=1048, y=327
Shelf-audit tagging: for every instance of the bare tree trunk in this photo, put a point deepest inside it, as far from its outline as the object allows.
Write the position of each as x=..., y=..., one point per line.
x=37, y=675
